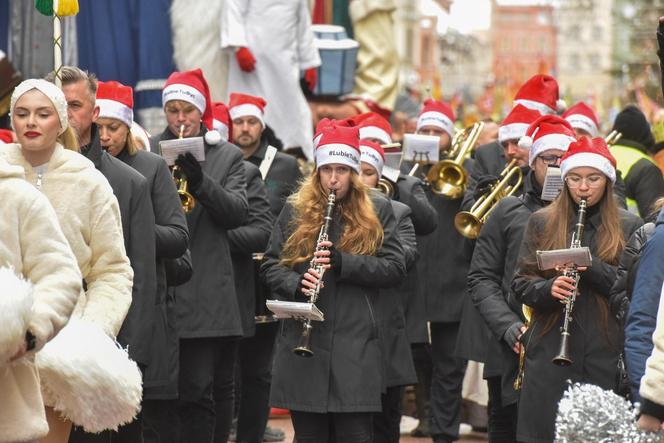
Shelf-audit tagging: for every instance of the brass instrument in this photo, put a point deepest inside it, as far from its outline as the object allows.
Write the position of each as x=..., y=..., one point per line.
x=303, y=349
x=448, y=177
x=469, y=223
x=563, y=358
x=518, y=381
x=385, y=187
x=613, y=138
x=186, y=199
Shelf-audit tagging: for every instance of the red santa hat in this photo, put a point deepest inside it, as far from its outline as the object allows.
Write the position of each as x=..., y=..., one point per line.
x=581, y=116
x=116, y=100
x=593, y=153
x=373, y=154
x=547, y=132
x=339, y=145
x=191, y=87
x=372, y=125
x=540, y=92
x=516, y=123
x=6, y=136
x=221, y=121
x=437, y=113
x=243, y=105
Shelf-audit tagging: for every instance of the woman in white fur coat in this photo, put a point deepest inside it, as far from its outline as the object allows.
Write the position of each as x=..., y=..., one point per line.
x=84, y=204
x=31, y=246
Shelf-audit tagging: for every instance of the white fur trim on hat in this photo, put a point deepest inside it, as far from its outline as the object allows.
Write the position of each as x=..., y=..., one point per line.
x=549, y=141
x=116, y=110
x=339, y=154
x=15, y=312
x=245, y=110
x=438, y=119
x=221, y=128
x=580, y=121
x=537, y=106
x=512, y=131
x=317, y=140
x=588, y=159
x=375, y=132
x=51, y=91
x=212, y=137
x=370, y=156
x=189, y=94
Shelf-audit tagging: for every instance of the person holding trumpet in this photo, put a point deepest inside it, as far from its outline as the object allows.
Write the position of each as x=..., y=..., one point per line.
x=333, y=393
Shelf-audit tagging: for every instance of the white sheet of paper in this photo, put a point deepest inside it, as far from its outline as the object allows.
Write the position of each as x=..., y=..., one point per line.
x=391, y=174
x=553, y=184
x=294, y=309
x=170, y=149
x=421, y=148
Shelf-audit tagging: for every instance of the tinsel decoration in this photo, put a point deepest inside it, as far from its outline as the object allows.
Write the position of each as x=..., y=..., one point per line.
x=588, y=413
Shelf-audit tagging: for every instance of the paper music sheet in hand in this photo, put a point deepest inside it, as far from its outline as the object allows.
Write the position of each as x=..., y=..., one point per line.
x=564, y=257
x=421, y=148
x=170, y=149
x=553, y=184
x=295, y=310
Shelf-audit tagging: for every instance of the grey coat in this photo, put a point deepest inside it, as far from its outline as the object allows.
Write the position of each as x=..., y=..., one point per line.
x=138, y=225
x=345, y=373
x=172, y=238
x=207, y=304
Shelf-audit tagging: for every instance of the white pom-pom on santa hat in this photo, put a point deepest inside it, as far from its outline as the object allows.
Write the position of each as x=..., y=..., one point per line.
x=561, y=105
x=526, y=142
x=15, y=311
x=212, y=137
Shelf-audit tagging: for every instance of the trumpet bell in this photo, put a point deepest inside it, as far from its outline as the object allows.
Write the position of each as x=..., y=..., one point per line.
x=468, y=224
x=448, y=179
x=187, y=201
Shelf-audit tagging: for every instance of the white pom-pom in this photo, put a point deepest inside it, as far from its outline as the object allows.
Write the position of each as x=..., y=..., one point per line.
x=212, y=137
x=526, y=142
x=89, y=378
x=15, y=310
x=561, y=105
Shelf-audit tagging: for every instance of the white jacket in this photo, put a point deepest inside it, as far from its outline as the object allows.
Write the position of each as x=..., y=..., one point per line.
x=89, y=217
x=32, y=243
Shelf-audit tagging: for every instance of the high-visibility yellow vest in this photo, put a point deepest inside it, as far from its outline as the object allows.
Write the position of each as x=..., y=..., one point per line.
x=626, y=157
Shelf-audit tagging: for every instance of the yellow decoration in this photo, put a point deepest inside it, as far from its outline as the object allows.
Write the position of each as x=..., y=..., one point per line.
x=65, y=8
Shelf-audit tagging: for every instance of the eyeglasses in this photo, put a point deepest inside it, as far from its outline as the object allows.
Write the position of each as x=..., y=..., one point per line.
x=592, y=181
x=550, y=159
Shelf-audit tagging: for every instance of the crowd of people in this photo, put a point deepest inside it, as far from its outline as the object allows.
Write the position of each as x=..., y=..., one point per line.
x=174, y=257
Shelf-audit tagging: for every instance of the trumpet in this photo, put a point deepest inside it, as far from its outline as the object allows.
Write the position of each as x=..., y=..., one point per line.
x=304, y=349
x=613, y=138
x=186, y=199
x=448, y=177
x=469, y=223
x=386, y=187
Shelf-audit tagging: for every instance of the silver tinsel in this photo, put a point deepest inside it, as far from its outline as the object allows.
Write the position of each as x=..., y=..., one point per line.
x=588, y=413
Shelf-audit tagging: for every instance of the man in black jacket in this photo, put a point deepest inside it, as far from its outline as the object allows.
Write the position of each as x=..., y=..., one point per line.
x=209, y=321
x=138, y=226
x=491, y=270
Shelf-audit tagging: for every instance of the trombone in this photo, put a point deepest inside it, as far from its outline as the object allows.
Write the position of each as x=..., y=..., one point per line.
x=613, y=138
x=385, y=187
x=186, y=199
x=469, y=223
x=448, y=177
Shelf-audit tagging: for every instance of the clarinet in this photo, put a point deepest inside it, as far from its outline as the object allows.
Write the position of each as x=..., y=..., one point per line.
x=563, y=358
x=304, y=349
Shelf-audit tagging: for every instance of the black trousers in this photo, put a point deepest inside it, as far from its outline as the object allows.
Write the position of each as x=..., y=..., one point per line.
x=161, y=423
x=342, y=427
x=253, y=389
x=201, y=360
x=129, y=433
x=446, y=382
x=502, y=419
x=387, y=424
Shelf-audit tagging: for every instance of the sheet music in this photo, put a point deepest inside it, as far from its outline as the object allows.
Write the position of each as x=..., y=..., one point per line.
x=170, y=149
x=553, y=184
x=295, y=310
x=421, y=148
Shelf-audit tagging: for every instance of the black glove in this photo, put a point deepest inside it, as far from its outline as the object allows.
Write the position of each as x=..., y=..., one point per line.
x=191, y=169
x=335, y=260
x=484, y=185
x=512, y=334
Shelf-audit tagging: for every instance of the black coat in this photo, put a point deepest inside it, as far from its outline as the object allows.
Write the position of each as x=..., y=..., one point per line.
x=390, y=307
x=345, y=372
x=594, y=349
x=643, y=182
x=247, y=239
x=490, y=276
x=138, y=226
x=282, y=178
x=207, y=305
x=172, y=239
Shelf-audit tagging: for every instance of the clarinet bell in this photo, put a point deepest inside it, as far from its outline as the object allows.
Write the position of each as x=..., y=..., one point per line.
x=563, y=358
x=304, y=349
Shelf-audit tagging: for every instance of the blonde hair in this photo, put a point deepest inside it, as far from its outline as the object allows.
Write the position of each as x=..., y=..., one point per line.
x=362, y=234
x=69, y=139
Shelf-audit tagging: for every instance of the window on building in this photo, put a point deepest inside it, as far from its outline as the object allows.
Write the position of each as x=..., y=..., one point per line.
x=594, y=62
x=574, y=62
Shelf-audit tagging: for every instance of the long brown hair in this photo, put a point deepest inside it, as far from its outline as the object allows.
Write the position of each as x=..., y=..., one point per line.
x=362, y=234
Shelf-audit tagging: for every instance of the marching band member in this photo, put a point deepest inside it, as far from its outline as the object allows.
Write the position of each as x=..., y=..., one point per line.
x=208, y=320
x=494, y=261
x=335, y=391
x=437, y=119
x=398, y=361
x=589, y=171
x=583, y=119
x=84, y=204
x=115, y=102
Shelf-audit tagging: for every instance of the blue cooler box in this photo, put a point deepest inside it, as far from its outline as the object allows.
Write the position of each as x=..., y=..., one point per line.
x=338, y=53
